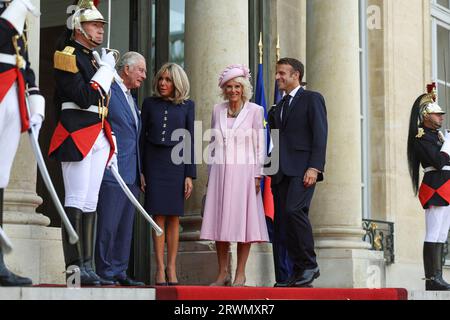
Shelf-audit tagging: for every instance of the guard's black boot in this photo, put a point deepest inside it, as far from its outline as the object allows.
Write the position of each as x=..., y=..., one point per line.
x=7, y=278
x=88, y=248
x=432, y=260
x=73, y=253
x=438, y=262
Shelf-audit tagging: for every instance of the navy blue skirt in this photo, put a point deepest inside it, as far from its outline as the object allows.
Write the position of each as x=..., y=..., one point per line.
x=164, y=193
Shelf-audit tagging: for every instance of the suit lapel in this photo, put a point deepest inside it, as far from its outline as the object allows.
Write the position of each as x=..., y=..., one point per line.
x=292, y=105
x=278, y=115
x=138, y=115
x=241, y=117
x=124, y=102
x=223, y=120
x=136, y=124
x=229, y=133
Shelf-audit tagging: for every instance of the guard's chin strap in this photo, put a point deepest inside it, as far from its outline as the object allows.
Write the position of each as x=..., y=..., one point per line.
x=88, y=37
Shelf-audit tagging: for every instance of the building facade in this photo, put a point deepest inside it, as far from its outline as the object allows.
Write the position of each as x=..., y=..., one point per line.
x=369, y=58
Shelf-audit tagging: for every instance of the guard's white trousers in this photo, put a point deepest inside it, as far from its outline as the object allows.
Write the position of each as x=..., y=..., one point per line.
x=10, y=127
x=82, y=179
x=437, y=220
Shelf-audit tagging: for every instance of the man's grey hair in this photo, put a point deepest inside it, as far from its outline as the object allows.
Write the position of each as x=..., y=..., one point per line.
x=129, y=59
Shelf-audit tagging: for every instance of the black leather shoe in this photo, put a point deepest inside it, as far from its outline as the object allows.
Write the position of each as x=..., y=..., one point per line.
x=128, y=282
x=9, y=279
x=289, y=281
x=13, y=280
x=282, y=284
x=161, y=284
x=307, y=278
x=102, y=281
x=87, y=280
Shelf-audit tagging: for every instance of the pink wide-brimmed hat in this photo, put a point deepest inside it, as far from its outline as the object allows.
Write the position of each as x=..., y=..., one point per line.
x=233, y=71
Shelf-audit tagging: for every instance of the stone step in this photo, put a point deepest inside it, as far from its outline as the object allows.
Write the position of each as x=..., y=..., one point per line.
x=51, y=293
x=428, y=295
x=149, y=293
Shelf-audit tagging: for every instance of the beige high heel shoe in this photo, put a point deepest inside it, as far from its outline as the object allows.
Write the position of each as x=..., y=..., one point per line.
x=226, y=282
x=239, y=284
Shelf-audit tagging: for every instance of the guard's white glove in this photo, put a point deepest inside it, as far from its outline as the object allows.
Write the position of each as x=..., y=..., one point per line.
x=107, y=59
x=446, y=146
x=36, y=103
x=446, y=135
x=36, y=122
x=105, y=74
x=16, y=13
x=33, y=10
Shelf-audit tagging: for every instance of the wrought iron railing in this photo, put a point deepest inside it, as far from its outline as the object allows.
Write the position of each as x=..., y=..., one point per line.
x=380, y=235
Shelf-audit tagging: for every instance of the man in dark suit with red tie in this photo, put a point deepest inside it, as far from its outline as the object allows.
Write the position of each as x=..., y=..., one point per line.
x=301, y=119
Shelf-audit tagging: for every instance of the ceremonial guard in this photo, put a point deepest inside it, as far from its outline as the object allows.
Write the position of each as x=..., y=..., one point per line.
x=17, y=84
x=427, y=146
x=83, y=140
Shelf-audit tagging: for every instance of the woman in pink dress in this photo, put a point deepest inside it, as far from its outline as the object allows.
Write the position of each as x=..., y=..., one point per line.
x=233, y=206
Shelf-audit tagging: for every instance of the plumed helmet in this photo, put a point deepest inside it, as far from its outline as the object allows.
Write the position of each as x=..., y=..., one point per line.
x=87, y=12
x=428, y=104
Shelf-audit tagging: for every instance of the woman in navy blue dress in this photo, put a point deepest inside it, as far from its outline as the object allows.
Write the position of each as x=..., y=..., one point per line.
x=168, y=127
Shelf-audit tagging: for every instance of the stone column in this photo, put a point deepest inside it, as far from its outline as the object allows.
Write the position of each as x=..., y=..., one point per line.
x=216, y=36
x=36, y=247
x=333, y=69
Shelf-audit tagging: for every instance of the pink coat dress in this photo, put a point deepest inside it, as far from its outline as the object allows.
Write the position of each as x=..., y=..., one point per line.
x=233, y=211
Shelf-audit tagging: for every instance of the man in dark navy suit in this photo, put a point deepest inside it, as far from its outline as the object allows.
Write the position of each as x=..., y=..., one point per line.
x=115, y=211
x=301, y=120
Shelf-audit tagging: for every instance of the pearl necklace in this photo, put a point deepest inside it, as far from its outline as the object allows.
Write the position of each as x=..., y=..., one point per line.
x=236, y=113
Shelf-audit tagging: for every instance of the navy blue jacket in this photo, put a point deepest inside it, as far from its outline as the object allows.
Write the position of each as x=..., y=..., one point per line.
x=127, y=136
x=161, y=118
x=303, y=138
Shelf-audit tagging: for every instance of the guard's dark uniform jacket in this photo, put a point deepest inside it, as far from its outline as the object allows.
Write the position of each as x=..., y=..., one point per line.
x=435, y=187
x=10, y=73
x=78, y=128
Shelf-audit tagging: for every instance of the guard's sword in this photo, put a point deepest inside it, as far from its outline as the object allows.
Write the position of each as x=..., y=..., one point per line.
x=135, y=202
x=108, y=40
x=5, y=243
x=73, y=237
x=109, y=24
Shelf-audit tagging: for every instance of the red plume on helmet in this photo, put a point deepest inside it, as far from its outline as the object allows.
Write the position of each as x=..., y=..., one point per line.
x=431, y=89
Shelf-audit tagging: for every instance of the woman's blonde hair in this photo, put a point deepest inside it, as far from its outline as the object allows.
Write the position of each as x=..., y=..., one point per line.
x=247, y=87
x=180, y=82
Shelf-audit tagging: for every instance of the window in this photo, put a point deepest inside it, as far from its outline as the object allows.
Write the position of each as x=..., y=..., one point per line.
x=365, y=114
x=176, y=32
x=444, y=3
x=441, y=51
